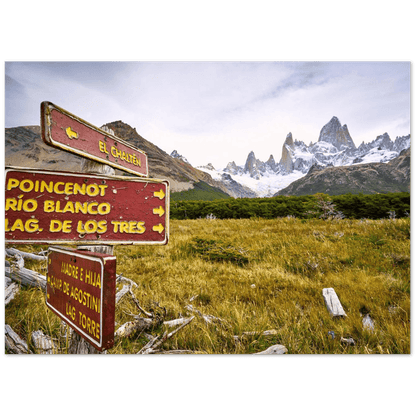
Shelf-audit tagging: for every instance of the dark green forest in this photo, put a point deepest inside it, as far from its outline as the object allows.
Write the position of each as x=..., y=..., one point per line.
x=354, y=206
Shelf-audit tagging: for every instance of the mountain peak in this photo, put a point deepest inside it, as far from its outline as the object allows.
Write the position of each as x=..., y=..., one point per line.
x=336, y=134
x=176, y=155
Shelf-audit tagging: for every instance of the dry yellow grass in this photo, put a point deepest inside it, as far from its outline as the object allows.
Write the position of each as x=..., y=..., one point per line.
x=289, y=262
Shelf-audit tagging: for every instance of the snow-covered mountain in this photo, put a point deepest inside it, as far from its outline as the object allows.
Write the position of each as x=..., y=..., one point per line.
x=334, y=147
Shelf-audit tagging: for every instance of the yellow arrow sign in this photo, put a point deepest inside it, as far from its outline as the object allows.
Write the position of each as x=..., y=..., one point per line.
x=160, y=194
x=71, y=134
x=159, y=211
x=159, y=228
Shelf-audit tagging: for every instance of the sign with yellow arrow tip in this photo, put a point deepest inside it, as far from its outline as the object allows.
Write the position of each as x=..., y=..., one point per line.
x=65, y=131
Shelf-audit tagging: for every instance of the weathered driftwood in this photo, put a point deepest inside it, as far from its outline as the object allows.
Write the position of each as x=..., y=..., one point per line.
x=26, y=277
x=19, y=262
x=12, y=251
x=7, y=281
x=207, y=318
x=332, y=303
x=136, y=302
x=139, y=324
x=125, y=289
x=10, y=293
x=43, y=343
x=14, y=344
x=122, y=279
x=274, y=349
x=264, y=333
x=153, y=345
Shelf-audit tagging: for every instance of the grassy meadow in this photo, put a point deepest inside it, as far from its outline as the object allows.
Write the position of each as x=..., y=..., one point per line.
x=257, y=275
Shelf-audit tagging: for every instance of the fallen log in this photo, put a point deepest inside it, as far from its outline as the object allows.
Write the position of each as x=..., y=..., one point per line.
x=10, y=293
x=152, y=346
x=26, y=277
x=139, y=324
x=43, y=343
x=14, y=251
x=13, y=343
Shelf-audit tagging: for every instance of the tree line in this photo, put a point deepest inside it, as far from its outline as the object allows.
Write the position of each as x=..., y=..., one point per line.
x=354, y=206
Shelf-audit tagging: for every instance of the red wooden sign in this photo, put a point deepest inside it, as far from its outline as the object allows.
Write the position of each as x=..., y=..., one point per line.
x=63, y=130
x=81, y=290
x=48, y=206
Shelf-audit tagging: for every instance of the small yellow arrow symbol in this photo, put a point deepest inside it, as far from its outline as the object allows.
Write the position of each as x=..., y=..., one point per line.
x=159, y=228
x=160, y=211
x=71, y=134
x=160, y=194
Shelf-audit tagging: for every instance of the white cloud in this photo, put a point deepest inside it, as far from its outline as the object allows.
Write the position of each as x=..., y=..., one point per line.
x=219, y=111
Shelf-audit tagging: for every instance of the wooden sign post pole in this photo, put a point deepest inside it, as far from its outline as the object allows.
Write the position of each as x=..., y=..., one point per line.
x=77, y=344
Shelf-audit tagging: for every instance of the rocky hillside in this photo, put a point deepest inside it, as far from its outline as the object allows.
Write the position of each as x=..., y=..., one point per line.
x=368, y=178
x=25, y=148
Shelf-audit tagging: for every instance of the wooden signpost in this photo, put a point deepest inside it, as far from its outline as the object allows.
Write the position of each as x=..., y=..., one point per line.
x=68, y=132
x=81, y=290
x=65, y=208
x=95, y=210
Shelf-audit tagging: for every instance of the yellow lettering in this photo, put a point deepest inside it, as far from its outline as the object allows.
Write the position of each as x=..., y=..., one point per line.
x=81, y=207
x=44, y=186
x=18, y=225
x=12, y=183
x=48, y=206
x=79, y=189
x=32, y=225
x=23, y=187
x=56, y=188
x=11, y=204
x=69, y=188
x=104, y=208
x=32, y=202
x=69, y=207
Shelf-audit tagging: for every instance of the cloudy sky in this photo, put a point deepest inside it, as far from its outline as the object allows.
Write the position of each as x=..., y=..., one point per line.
x=218, y=111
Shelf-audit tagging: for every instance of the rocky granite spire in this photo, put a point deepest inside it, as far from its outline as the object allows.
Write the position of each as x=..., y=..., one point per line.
x=336, y=134
x=251, y=166
x=286, y=162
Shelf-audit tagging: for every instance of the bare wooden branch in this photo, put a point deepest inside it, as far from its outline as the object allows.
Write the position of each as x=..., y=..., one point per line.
x=175, y=352
x=10, y=293
x=14, y=344
x=121, y=293
x=7, y=281
x=136, y=302
x=264, y=333
x=151, y=347
x=129, y=282
x=175, y=322
x=139, y=324
x=26, y=277
x=274, y=349
x=207, y=318
x=12, y=251
x=332, y=303
x=19, y=263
